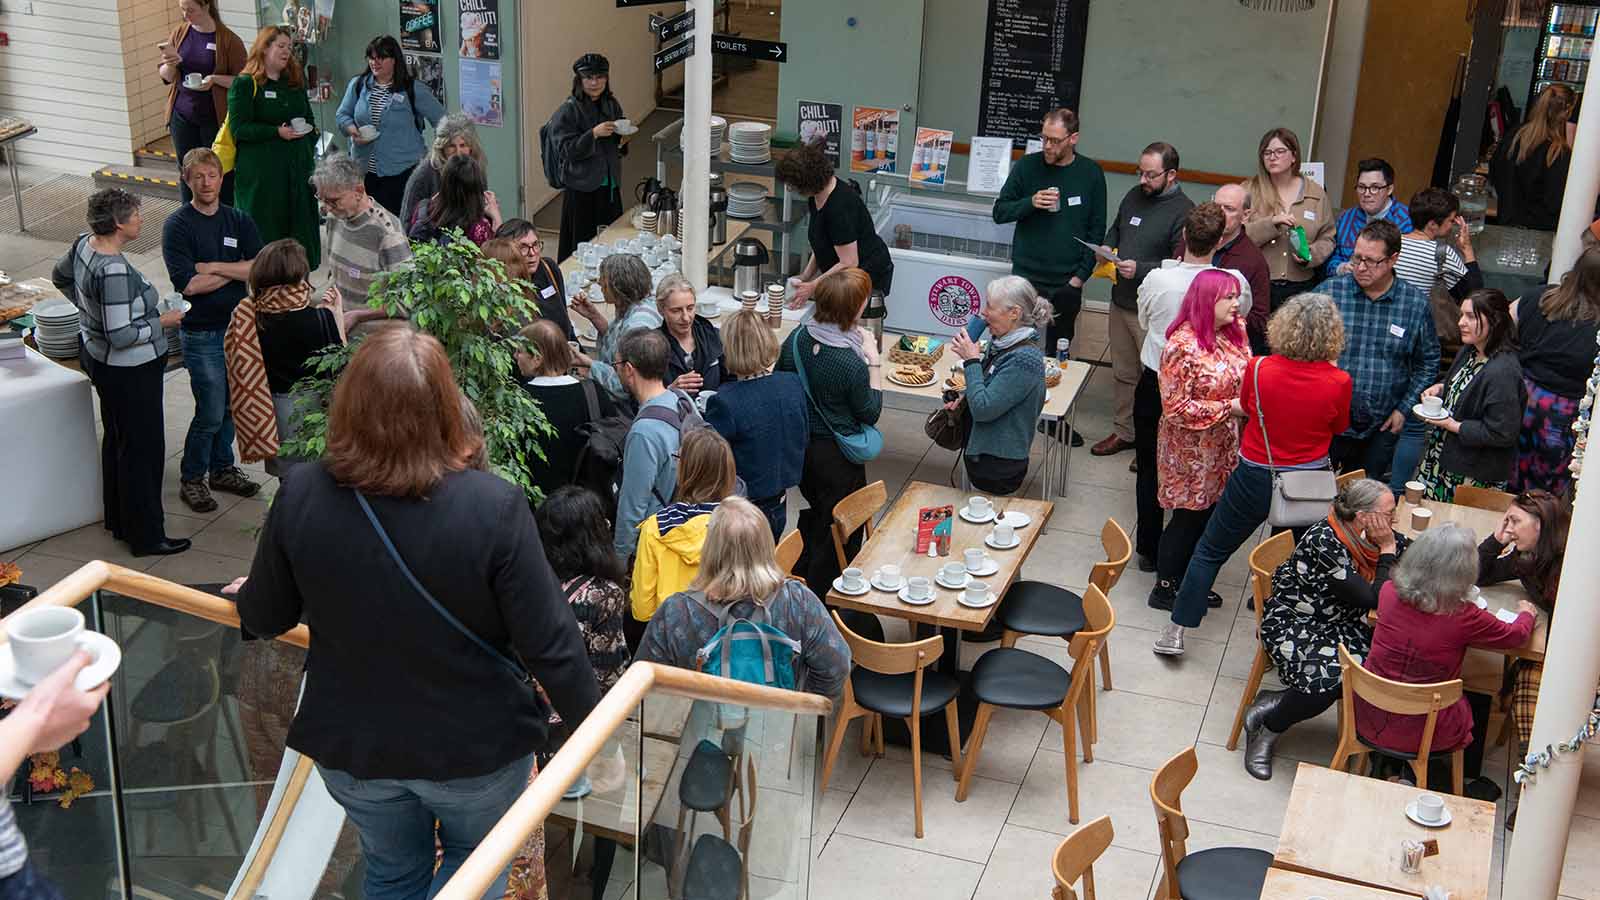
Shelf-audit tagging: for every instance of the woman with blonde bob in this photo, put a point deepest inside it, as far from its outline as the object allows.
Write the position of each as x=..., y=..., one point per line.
x=762, y=414
x=740, y=572
x=670, y=542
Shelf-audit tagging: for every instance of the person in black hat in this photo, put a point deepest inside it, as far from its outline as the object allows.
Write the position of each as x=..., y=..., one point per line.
x=584, y=131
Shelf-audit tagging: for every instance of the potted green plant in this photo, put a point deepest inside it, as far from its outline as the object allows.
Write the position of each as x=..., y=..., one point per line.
x=453, y=292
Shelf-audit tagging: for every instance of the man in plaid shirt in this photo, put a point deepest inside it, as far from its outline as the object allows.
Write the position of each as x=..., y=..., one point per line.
x=1390, y=350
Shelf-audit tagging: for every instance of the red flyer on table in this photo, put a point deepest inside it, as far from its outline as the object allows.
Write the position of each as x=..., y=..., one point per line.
x=929, y=518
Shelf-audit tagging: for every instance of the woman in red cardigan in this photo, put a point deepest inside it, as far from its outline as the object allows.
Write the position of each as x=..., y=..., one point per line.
x=201, y=47
x=1425, y=625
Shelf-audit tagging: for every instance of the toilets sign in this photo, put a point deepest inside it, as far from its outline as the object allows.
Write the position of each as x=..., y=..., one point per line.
x=954, y=300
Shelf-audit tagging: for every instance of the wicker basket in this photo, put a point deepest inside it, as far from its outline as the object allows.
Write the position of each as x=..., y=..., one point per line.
x=901, y=356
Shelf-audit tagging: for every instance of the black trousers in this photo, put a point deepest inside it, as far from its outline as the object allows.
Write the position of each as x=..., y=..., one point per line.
x=996, y=475
x=825, y=478
x=186, y=136
x=1146, y=422
x=585, y=214
x=1067, y=301
x=388, y=190
x=1283, y=290
x=1297, y=706
x=1178, y=541
x=1375, y=453
x=133, y=449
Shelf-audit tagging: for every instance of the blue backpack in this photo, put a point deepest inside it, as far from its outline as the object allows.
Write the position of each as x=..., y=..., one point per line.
x=747, y=650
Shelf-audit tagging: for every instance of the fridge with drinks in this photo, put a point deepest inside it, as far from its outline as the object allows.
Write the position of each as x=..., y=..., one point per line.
x=1566, y=47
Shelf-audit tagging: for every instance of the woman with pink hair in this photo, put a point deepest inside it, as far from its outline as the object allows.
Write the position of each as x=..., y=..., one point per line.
x=1197, y=444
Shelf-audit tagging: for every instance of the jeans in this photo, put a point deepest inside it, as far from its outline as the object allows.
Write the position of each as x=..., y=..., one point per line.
x=1146, y=423
x=1374, y=453
x=776, y=509
x=1407, y=454
x=209, y=444
x=1238, y=513
x=396, y=817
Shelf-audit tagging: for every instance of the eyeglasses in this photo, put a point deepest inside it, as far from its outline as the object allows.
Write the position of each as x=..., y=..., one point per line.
x=1152, y=176
x=1049, y=141
x=1274, y=154
x=1361, y=262
x=1373, y=188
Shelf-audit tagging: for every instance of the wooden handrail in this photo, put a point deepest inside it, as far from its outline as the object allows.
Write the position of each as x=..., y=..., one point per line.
x=1194, y=176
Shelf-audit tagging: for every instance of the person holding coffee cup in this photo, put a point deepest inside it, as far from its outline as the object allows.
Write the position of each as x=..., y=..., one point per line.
x=1484, y=395
x=1004, y=391
x=198, y=63
x=275, y=160
x=584, y=128
x=384, y=114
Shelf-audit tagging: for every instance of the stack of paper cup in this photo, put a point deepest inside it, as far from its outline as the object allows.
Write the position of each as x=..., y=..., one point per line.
x=774, y=305
x=647, y=221
x=748, y=300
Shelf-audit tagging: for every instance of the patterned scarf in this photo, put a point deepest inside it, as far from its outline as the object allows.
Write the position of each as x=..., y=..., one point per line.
x=1363, y=553
x=254, y=419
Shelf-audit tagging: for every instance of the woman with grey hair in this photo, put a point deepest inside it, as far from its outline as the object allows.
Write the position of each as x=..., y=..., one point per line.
x=1004, y=390
x=123, y=349
x=455, y=134
x=625, y=282
x=694, y=346
x=1321, y=597
x=1425, y=625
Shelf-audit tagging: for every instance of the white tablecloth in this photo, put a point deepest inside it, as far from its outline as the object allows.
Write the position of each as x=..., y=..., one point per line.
x=49, y=448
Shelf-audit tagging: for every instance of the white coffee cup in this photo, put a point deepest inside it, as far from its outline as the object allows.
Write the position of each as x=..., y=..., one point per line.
x=889, y=575
x=918, y=588
x=624, y=125
x=979, y=507
x=192, y=80
x=44, y=638
x=1004, y=533
x=298, y=124
x=1430, y=807
x=1434, y=405
x=850, y=579
x=975, y=558
x=1421, y=518
x=707, y=308
x=953, y=572
x=368, y=132
x=977, y=592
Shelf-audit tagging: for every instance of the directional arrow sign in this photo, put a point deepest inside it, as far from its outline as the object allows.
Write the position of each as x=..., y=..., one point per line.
x=667, y=57
x=667, y=29
x=732, y=45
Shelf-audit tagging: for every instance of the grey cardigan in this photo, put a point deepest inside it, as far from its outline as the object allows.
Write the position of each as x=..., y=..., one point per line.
x=1490, y=413
x=1005, y=392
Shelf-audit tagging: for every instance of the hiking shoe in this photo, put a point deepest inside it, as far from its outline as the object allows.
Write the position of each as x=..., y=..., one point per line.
x=196, y=495
x=233, y=480
x=1170, y=643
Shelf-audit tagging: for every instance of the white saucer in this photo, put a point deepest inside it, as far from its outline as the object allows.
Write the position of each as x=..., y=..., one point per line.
x=631, y=129
x=939, y=580
x=895, y=589
x=906, y=598
x=989, y=567
x=961, y=598
x=1411, y=813
x=299, y=133
x=1444, y=413
x=974, y=519
x=1016, y=518
x=838, y=585
x=579, y=789
x=108, y=656
x=988, y=540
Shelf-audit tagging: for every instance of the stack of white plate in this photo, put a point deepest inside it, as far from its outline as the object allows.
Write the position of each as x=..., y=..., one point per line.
x=56, y=330
x=751, y=142
x=719, y=129
x=747, y=200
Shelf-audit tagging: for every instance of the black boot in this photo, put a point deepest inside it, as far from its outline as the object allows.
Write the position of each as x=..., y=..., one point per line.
x=1258, y=749
x=1163, y=595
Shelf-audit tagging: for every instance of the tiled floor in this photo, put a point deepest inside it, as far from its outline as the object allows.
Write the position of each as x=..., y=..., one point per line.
x=997, y=843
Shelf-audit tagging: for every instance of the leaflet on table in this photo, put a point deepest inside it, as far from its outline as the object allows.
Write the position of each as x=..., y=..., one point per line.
x=1100, y=250
x=934, y=527
x=988, y=165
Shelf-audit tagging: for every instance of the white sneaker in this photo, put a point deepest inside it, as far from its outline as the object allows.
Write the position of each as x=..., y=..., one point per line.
x=1171, y=641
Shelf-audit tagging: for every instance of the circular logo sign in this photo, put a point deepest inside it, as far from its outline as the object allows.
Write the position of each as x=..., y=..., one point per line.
x=953, y=300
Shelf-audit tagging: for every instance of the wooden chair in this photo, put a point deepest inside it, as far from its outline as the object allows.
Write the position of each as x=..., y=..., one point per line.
x=1017, y=679
x=1217, y=872
x=1075, y=856
x=1482, y=498
x=1264, y=560
x=1401, y=699
x=714, y=859
x=789, y=551
x=895, y=680
x=1352, y=475
x=856, y=511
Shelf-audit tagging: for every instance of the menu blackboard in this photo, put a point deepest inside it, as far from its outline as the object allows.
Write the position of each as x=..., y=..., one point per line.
x=1032, y=63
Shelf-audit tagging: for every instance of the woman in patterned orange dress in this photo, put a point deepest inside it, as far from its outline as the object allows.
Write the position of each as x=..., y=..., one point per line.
x=1197, y=445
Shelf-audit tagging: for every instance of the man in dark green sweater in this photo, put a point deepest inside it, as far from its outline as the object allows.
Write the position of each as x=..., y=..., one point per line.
x=1146, y=230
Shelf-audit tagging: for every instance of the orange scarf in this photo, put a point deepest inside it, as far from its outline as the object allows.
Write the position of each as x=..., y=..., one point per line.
x=249, y=395
x=1363, y=553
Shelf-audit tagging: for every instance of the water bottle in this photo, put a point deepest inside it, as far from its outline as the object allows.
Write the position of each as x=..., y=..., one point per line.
x=1061, y=351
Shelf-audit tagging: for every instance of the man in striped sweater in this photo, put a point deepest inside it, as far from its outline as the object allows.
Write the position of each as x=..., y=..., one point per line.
x=366, y=239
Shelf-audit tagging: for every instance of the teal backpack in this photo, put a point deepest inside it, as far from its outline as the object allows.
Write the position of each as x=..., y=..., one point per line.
x=744, y=649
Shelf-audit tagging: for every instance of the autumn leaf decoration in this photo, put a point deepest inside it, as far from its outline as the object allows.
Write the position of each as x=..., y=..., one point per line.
x=10, y=573
x=48, y=777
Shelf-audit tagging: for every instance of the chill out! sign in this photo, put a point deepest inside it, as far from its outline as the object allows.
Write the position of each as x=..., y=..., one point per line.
x=953, y=300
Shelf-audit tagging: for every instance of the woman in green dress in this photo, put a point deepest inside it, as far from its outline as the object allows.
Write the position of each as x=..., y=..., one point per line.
x=274, y=162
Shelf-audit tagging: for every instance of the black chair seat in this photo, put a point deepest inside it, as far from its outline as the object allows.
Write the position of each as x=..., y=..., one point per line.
x=1223, y=873
x=890, y=695
x=1018, y=679
x=714, y=871
x=1033, y=607
x=1403, y=757
x=707, y=778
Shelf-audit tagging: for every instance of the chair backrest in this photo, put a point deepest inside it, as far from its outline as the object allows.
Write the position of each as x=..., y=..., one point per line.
x=1172, y=827
x=1264, y=560
x=1075, y=856
x=889, y=659
x=1119, y=550
x=1352, y=475
x=1482, y=498
x=1396, y=697
x=856, y=511
x=1099, y=619
x=789, y=551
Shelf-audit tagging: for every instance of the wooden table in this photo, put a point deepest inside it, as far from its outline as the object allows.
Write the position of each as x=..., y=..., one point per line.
x=1283, y=884
x=616, y=814
x=893, y=541
x=1349, y=828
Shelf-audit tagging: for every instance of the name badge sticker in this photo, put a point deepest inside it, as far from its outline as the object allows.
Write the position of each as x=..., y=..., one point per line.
x=1074, y=201
x=355, y=272
x=1311, y=215
x=397, y=99
x=1135, y=221
x=211, y=46
x=1396, y=330
x=270, y=95
x=548, y=292
x=230, y=242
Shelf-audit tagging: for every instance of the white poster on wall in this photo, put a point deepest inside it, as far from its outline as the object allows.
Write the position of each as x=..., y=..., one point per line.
x=1314, y=171
x=989, y=163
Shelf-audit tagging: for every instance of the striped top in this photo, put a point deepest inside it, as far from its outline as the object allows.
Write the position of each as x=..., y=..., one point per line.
x=13, y=848
x=117, y=315
x=377, y=101
x=1418, y=264
x=1352, y=220
x=364, y=247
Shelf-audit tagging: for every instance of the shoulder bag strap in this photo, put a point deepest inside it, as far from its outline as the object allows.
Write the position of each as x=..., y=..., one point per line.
x=591, y=399
x=1261, y=418
x=1438, y=263
x=457, y=624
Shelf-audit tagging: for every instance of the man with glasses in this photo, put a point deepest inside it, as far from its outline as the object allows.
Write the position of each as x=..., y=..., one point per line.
x=550, y=288
x=365, y=240
x=1390, y=350
x=1374, y=200
x=1147, y=229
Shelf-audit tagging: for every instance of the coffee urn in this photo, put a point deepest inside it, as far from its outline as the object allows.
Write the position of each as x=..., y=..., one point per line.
x=719, y=212
x=874, y=315
x=749, y=255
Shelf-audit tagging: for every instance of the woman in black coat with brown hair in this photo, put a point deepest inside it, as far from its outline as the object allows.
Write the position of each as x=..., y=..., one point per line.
x=1475, y=443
